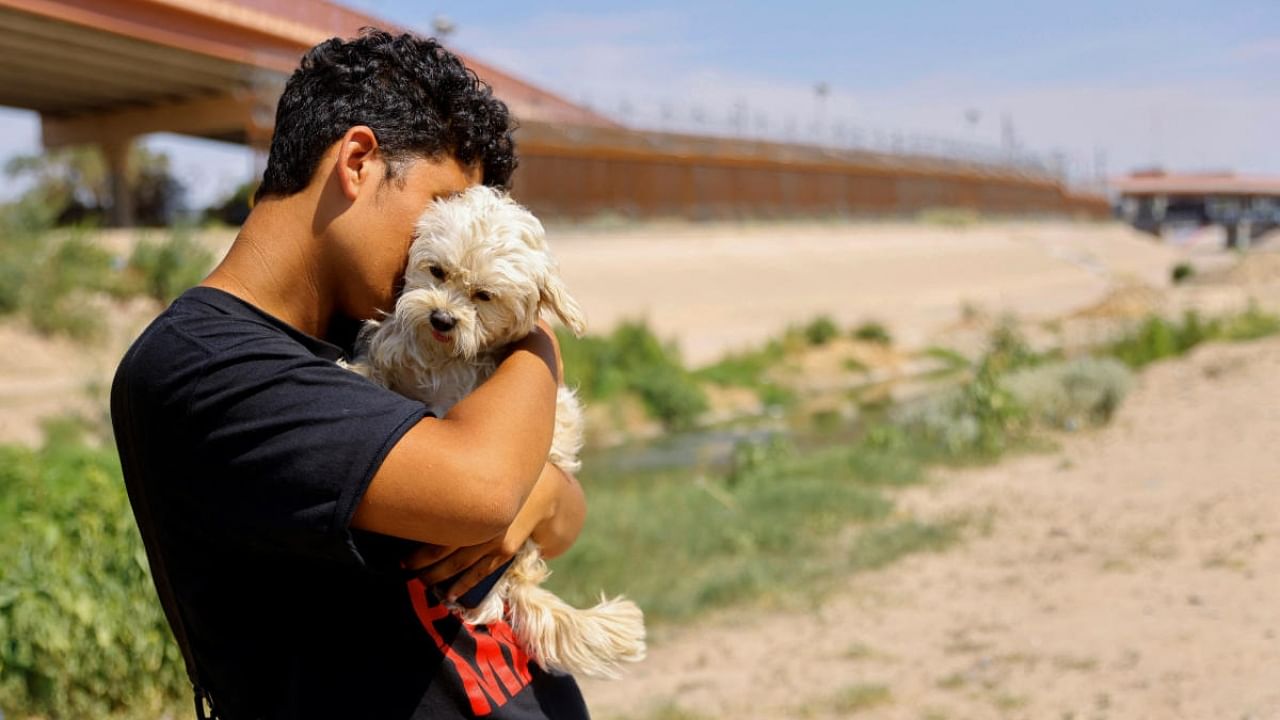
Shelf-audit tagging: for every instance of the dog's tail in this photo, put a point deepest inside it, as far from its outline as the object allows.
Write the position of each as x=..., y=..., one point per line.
x=561, y=638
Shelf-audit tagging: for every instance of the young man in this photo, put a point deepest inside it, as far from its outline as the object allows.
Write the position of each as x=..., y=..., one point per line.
x=302, y=523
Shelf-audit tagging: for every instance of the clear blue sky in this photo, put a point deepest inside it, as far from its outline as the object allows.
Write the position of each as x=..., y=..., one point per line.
x=1186, y=85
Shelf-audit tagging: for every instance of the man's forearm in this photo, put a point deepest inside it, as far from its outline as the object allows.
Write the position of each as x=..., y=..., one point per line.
x=565, y=510
x=462, y=479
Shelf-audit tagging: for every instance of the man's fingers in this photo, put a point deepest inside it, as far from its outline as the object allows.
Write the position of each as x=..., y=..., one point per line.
x=447, y=567
x=472, y=577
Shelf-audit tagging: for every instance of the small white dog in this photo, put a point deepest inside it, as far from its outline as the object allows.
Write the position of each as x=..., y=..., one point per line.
x=478, y=277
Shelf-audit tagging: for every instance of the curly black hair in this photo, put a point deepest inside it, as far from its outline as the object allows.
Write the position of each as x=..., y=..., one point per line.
x=417, y=97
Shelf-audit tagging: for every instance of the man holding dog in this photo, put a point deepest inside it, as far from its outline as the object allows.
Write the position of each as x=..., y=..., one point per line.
x=303, y=524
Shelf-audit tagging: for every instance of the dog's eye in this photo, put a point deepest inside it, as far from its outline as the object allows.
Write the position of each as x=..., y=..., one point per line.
x=481, y=296
x=437, y=271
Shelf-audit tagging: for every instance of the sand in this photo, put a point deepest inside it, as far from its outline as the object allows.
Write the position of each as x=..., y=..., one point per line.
x=722, y=288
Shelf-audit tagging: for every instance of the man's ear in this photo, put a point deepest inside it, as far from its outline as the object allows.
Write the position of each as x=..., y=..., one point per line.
x=553, y=295
x=358, y=162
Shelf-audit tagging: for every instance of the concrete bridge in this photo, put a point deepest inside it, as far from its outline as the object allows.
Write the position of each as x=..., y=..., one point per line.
x=1246, y=206
x=104, y=72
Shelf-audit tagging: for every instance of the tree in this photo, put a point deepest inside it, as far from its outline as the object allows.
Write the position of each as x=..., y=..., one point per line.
x=75, y=184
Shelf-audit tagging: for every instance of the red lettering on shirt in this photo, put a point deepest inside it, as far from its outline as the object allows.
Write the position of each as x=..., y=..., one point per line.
x=485, y=681
x=519, y=658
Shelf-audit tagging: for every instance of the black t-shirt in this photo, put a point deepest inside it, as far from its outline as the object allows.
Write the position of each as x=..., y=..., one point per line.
x=252, y=448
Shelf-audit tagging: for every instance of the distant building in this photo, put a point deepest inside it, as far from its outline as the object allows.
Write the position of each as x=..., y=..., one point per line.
x=1245, y=205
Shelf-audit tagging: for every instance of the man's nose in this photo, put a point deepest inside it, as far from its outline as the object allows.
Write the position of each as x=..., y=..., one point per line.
x=442, y=321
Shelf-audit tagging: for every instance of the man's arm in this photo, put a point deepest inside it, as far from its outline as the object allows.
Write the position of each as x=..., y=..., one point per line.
x=552, y=517
x=462, y=479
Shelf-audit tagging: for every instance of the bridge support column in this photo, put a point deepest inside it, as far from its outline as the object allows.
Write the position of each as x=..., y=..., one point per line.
x=1239, y=234
x=116, y=153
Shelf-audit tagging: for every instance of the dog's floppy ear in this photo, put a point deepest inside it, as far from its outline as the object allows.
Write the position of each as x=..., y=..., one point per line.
x=554, y=296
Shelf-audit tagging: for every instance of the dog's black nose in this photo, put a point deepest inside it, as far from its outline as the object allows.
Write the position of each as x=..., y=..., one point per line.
x=442, y=321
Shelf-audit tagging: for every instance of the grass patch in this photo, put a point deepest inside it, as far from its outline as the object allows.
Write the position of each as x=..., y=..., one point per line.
x=873, y=332
x=878, y=547
x=857, y=698
x=759, y=531
x=1251, y=324
x=950, y=359
x=854, y=365
x=1158, y=338
x=1006, y=702
x=859, y=651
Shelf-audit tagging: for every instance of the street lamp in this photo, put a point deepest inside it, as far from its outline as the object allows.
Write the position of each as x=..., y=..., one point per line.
x=443, y=26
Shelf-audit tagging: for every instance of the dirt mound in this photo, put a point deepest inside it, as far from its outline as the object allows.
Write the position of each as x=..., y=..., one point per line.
x=1256, y=268
x=1130, y=300
x=1268, y=241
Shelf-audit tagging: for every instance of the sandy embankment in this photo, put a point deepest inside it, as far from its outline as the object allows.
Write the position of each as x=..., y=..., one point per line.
x=1135, y=574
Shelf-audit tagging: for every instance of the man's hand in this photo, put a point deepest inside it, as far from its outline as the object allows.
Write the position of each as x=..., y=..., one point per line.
x=552, y=517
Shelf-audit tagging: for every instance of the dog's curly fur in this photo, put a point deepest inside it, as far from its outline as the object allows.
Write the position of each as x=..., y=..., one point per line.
x=478, y=277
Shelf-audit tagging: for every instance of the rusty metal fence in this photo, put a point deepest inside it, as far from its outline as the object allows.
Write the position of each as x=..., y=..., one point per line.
x=580, y=172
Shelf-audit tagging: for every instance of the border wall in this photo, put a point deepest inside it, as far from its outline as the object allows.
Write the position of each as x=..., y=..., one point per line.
x=581, y=172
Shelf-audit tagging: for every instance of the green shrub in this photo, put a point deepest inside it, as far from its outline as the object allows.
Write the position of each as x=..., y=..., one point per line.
x=163, y=270
x=821, y=330
x=1182, y=272
x=980, y=419
x=81, y=631
x=22, y=228
x=60, y=284
x=872, y=331
x=632, y=359
x=1073, y=394
x=1157, y=338
x=1007, y=350
x=744, y=369
x=749, y=369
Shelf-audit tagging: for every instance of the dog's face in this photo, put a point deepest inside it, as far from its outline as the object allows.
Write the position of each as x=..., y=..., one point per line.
x=478, y=276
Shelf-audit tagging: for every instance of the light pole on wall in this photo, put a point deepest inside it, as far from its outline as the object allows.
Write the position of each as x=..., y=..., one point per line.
x=443, y=27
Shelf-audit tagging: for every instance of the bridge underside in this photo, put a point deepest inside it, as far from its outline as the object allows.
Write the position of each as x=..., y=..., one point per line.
x=104, y=72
